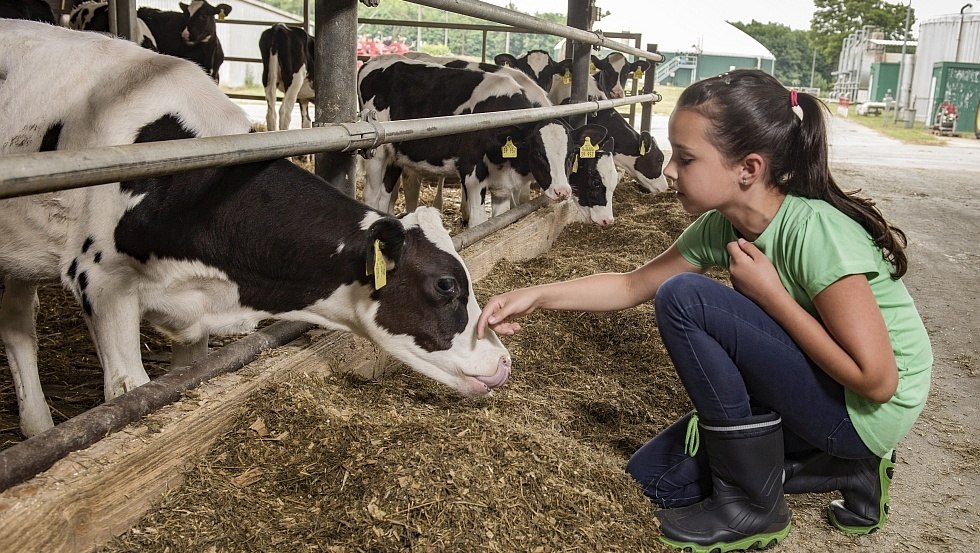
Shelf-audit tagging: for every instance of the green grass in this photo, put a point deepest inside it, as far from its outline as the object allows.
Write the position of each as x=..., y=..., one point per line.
x=883, y=124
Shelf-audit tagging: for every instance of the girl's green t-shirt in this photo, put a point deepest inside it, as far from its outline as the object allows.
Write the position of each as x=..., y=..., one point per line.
x=812, y=245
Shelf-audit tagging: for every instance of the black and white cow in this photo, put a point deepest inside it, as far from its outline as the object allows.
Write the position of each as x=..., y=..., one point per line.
x=190, y=33
x=287, y=65
x=593, y=179
x=554, y=77
x=636, y=153
x=500, y=161
x=93, y=15
x=614, y=70
x=33, y=10
x=208, y=251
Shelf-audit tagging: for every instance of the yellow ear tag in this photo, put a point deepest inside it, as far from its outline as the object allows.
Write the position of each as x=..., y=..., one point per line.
x=567, y=77
x=508, y=150
x=221, y=15
x=380, y=267
x=638, y=74
x=575, y=165
x=588, y=150
x=643, y=149
x=591, y=67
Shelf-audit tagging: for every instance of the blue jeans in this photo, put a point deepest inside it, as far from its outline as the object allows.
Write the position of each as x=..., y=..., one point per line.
x=734, y=361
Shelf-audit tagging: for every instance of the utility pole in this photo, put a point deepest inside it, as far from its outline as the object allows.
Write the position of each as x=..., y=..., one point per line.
x=903, y=95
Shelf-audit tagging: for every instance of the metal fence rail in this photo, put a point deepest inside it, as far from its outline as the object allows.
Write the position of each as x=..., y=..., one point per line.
x=24, y=174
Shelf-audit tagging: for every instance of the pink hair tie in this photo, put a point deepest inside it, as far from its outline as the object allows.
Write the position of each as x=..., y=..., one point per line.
x=795, y=105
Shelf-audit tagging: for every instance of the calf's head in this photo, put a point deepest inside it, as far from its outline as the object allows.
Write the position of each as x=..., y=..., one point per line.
x=614, y=70
x=593, y=174
x=544, y=150
x=423, y=311
x=199, y=23
x=536, y=64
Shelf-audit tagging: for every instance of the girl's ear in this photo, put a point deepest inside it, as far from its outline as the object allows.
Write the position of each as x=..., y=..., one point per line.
x=753, y=168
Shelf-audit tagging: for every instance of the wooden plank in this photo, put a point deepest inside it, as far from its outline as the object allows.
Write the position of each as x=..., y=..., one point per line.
x=94, y=494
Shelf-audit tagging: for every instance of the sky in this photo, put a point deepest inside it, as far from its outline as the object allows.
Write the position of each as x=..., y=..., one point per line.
x=795, y=14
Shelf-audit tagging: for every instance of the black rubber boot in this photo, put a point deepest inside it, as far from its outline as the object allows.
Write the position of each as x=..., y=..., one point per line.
x=747, y=509
x=864, y=484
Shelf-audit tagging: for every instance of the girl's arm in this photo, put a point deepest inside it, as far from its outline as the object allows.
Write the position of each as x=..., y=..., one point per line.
x=599, y=292
x=852, y=344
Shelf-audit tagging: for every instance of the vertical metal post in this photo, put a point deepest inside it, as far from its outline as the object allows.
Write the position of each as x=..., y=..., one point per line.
x=902, y=97
x=646, y=113
x=579, y=16
x=636, y=44
x=125, y=11
x=335, y=30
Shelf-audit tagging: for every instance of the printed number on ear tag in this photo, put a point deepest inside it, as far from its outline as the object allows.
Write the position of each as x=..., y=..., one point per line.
x=588, y=150
x=508, y=150
x=575, y=165
x=380, y=267
x=567, y=77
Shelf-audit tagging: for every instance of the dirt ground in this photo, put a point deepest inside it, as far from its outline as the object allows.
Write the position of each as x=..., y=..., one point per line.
x=401, y=464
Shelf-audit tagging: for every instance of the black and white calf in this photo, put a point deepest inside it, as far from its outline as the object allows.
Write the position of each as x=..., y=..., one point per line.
x=209, y=251
x=500, y=161
x=614, y=70
x=190, y=33
x=636, y=153
x=593, y=179
x=94, y=16
x=287, y=65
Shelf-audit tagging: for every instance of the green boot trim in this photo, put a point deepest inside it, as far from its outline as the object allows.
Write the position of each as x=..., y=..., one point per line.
x=758, y=541
x=885, y=471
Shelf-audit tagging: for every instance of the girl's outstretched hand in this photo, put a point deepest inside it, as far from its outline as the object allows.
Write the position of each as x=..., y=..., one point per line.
x=752, y=273
x=500, y=309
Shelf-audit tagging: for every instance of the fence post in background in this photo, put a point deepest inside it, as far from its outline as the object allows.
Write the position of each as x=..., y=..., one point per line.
x=579, y=18
x=646, y=113
x=336, y=96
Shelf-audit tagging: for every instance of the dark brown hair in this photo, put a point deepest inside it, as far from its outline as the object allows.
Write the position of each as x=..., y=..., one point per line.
x=749, y=111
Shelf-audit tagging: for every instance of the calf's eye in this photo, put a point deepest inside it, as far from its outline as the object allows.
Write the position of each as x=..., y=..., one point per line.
x=446, y=285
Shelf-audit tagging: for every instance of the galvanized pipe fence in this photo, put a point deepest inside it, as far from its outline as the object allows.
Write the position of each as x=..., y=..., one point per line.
x=34, y=173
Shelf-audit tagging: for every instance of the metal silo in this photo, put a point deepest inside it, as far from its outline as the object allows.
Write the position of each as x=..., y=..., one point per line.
x=948, y=38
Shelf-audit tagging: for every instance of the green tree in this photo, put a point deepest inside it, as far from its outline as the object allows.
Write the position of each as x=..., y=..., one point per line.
x=794, y=54
x=835, y=20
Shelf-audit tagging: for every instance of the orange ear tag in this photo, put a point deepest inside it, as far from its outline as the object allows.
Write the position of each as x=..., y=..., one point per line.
x=508, y=150
x=587, y=150
x=567, y=77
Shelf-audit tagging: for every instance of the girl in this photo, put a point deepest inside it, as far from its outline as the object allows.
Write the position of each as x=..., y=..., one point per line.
x=806, y=375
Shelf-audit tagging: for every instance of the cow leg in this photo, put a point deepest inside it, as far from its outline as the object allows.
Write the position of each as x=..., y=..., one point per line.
x=471, y=206
x=185, y=354
x=289, y=98
x=304, y=114
x=271, y=89
x=411, y=186
x=18, y=305
x=381, y=181
x=114, y=322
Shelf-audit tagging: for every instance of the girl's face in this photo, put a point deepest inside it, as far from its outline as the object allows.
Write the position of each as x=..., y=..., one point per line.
x=702, y=178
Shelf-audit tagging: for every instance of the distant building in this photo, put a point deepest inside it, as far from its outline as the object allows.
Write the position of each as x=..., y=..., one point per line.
x=695, y=48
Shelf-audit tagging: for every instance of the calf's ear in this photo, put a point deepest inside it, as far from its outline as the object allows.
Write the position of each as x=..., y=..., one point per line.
x=504, y=60
x=596, y=134
x=640, y=64
x=391, y=236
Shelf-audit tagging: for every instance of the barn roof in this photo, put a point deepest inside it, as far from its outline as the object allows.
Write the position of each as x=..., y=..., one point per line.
x=681, y=32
